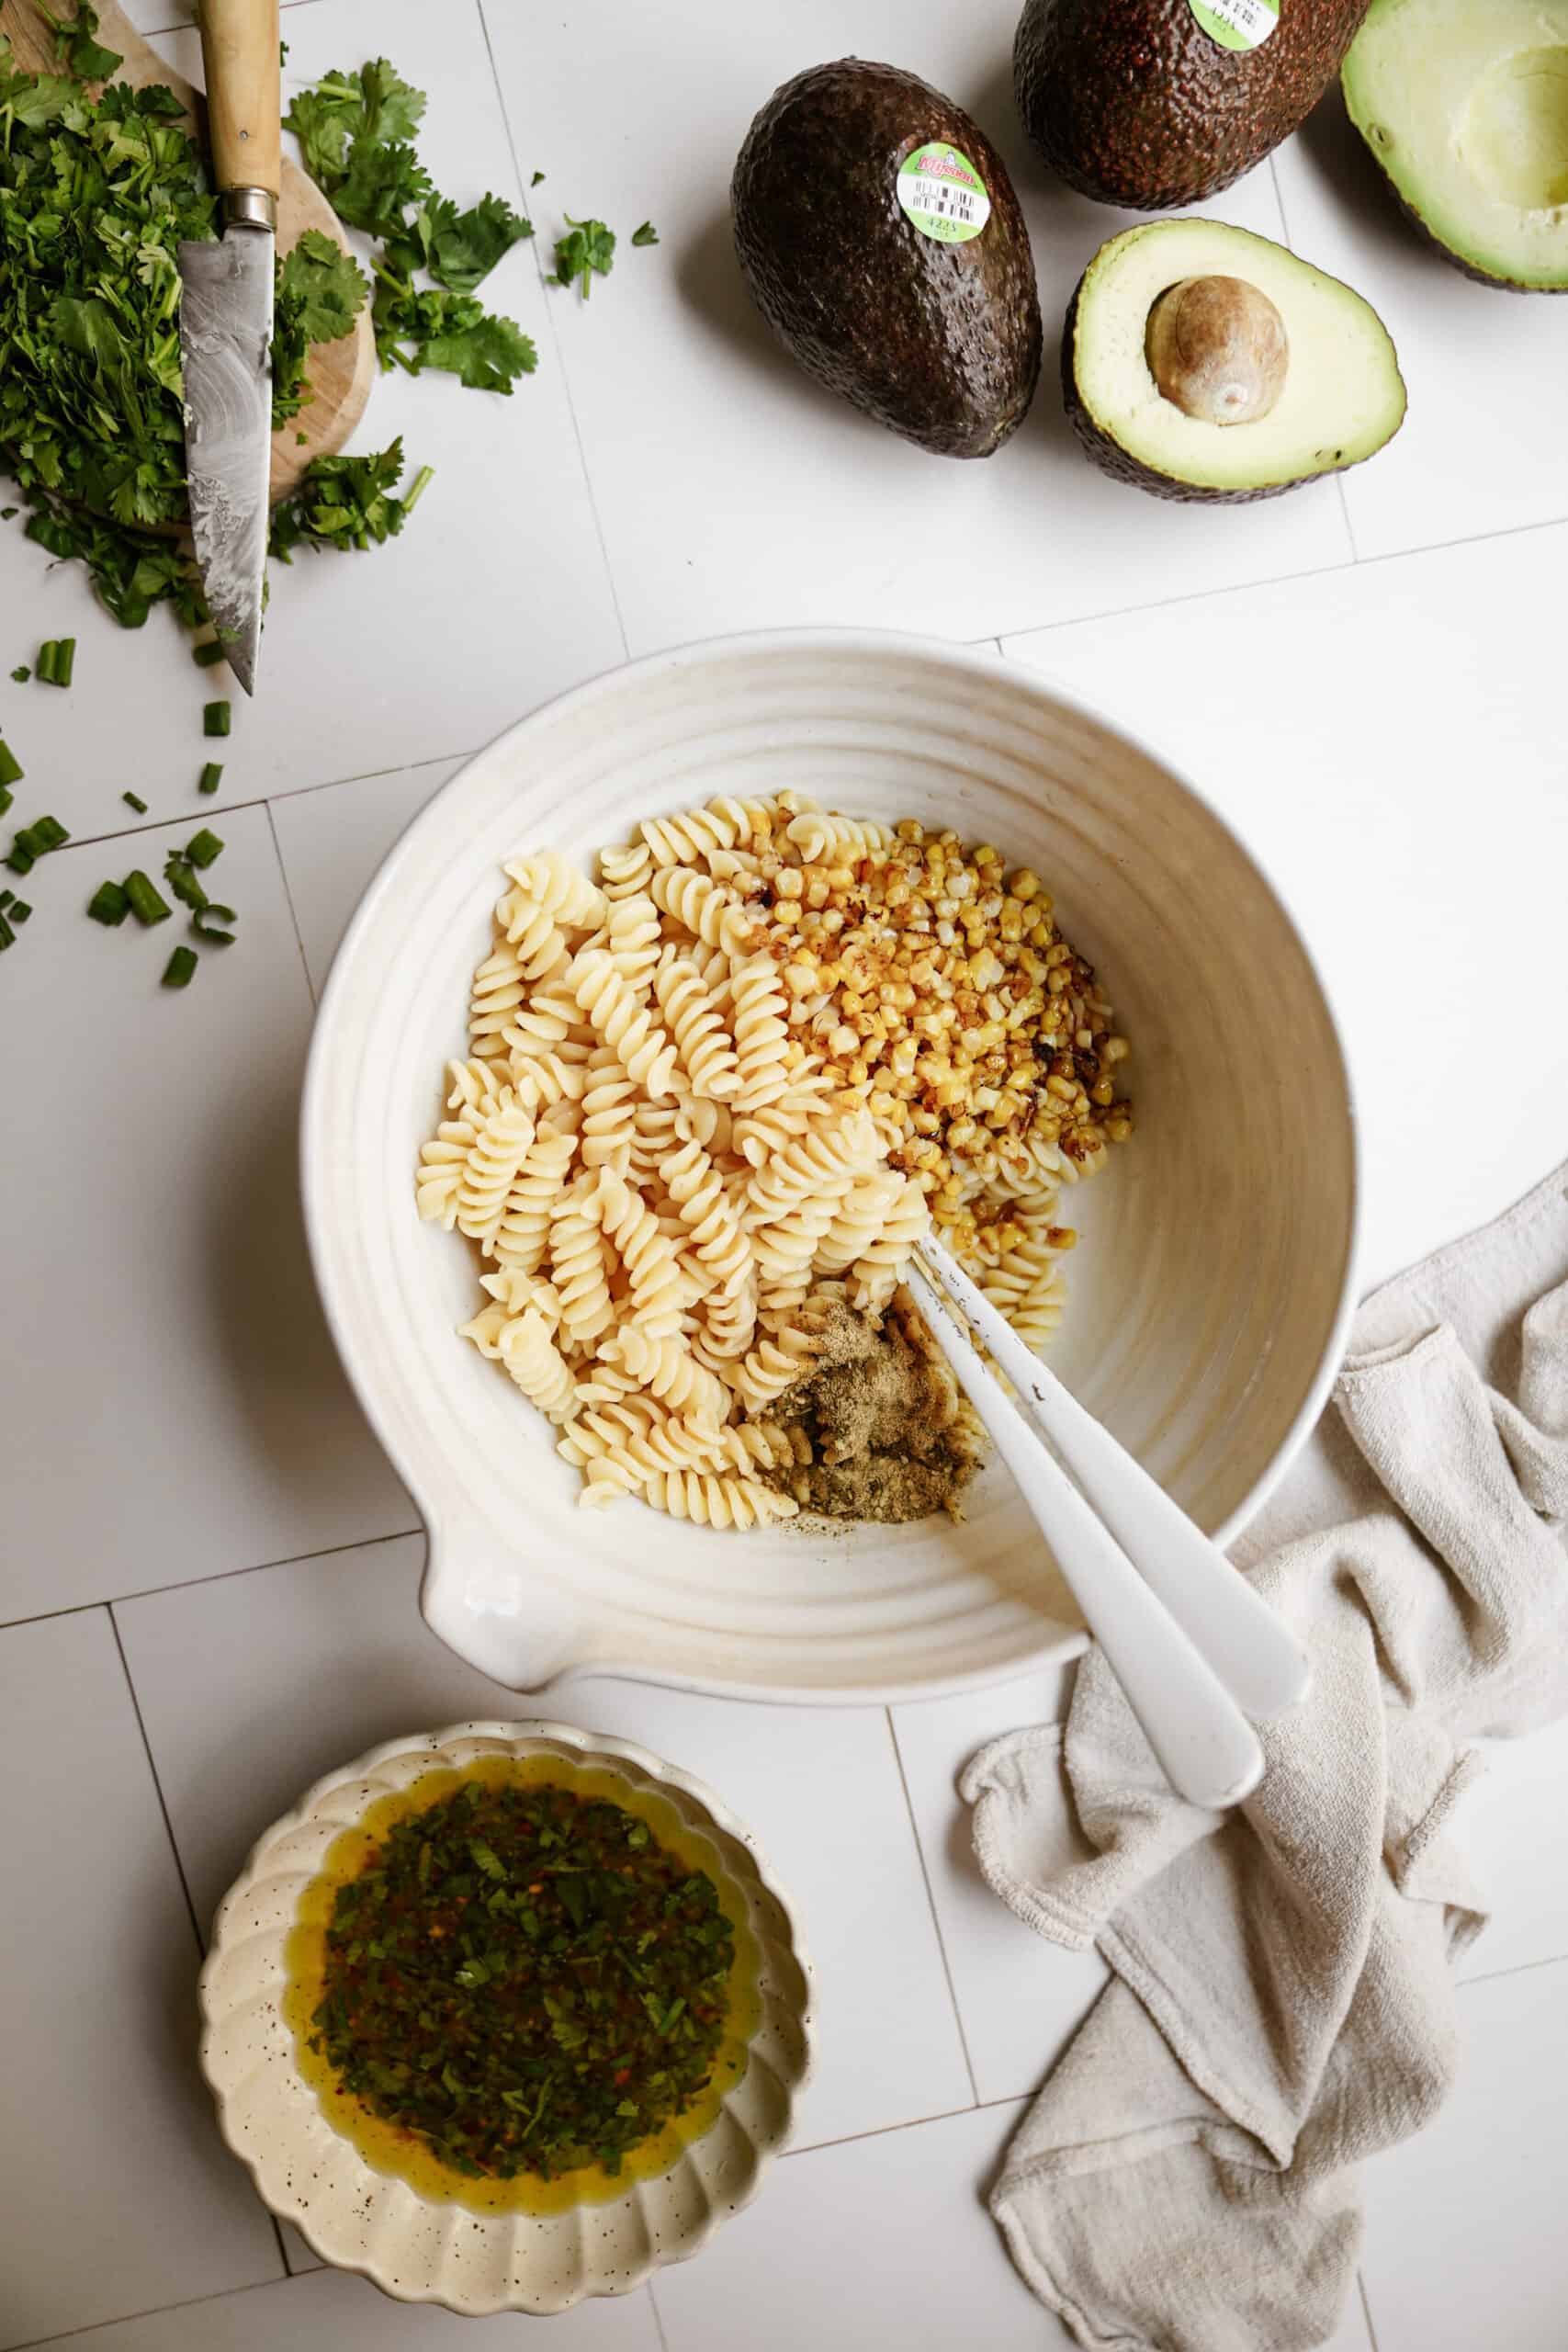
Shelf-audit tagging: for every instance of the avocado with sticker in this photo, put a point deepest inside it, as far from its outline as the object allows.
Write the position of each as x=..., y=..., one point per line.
x=880, y=237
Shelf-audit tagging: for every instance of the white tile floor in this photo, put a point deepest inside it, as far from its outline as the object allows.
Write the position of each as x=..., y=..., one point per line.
x=1376, y=707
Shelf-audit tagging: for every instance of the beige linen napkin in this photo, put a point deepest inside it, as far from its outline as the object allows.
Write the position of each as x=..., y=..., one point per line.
x=1282, y=2001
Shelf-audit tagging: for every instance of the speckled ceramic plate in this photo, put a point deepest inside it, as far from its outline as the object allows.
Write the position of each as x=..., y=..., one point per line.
x=363, y=2218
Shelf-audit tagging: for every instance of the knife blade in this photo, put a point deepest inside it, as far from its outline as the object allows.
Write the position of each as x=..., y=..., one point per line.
x=226, y=325
x=226, y=353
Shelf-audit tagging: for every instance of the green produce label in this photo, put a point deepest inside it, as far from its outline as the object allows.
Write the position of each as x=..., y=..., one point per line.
x=1237, y=24
x=944, y=194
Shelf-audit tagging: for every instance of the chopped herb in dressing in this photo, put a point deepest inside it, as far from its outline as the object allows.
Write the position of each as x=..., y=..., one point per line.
x=524, y=1979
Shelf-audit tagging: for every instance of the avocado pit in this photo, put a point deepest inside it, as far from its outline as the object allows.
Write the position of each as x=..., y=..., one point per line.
x=1217, y=349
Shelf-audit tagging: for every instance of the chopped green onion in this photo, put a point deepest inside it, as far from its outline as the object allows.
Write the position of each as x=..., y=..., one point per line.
x=134, y=800
x=179, y=967
x=6, y=512
x=147, y=902
x=647, y=235
x=48, y=832
x=21, y=674
x=43, y=668
x=210, y=774
x=180, y=876
x=10, y=766
x=65, y=661
x=204, y=656
x=6, y=799
x=5, y=899
x=19, y=911
x=20, y=857
x=207, y=921
x=203, y=847
x=215, y=719
x=7, y=935
x=110, y=904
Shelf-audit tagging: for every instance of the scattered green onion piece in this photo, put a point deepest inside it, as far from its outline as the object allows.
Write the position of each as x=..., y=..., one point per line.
x=110, y=904
x=134, y=800
x=43, y=668
x=7, y=936
x=210, y=775
x=179, y=967
x=20, y=858
x=204, y=656
x=207, y=921
x=6, y=799
x=6, y=512
x=65, y=661
x=203, y=847
x=5, y=899
x=21, y=674
x=147, y=902
x=48, y=832
x=180, y=876
x=215, y=719
x=10, y=766
x=19, y=911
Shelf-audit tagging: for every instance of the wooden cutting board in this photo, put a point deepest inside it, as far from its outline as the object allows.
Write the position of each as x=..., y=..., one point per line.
x=340, y=373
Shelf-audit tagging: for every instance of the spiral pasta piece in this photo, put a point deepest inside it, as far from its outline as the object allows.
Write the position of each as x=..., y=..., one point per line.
x=515, y=1292
x=711, y=1498
x=824, y=839
x=613, y=1008
x=624, y=871
x=874, y=1277
x=1037, y=1313
x=702, y=1042
x=635, y=939
x=824, y=1161
x=760, y=1025
x=523, y=1235
x=503, y=1133
x=609, y=1113
x=651, y=1264
x=498, y=994
x=559, y=888
x=773, y=1365
x=858, y=1220
x=668, y=1370
x=729, y=1325
x=577, y=1266
x=707, y=1213
x=708, y=909
x=538, y=1366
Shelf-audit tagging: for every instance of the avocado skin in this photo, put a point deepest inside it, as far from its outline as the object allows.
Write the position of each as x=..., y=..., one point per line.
x=1119, y=463
x=1450, y=254
x=940, y=342
x=1131, y=102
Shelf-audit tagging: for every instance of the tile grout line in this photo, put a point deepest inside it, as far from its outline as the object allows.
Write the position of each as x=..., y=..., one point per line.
x=157, y=1785
x=1281, y=578
x=174, y=1850
x=1520, y=1968
x=288, y=901
x=658, y=2316
x=1366, y=2309
x=526, y=194
x=152, y=2311
x=882, y=2131
x=931, y=1903
x=268, y=799
x=221, y=1575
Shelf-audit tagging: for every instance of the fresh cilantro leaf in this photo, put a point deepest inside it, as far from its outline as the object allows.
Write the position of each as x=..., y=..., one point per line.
x=346, y=502
x=535, y=180
x=588, y=249
x=647, y=235
x=457, y=249
x=325, y=284
x=76, y=46
x=417, y=329
x=371, y=109
x=378, y=185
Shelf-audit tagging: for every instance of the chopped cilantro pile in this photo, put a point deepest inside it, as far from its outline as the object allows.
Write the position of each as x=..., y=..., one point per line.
x=356, y=133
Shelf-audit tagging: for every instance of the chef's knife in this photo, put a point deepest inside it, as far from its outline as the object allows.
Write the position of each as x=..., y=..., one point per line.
x=226, y=325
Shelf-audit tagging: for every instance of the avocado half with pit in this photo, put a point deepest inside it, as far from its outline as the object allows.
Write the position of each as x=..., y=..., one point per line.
x=1464, y=104
x=1202, y=362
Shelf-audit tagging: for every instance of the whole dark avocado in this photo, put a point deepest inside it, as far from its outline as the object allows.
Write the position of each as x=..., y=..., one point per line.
x=1133, y=102
x=939, y=341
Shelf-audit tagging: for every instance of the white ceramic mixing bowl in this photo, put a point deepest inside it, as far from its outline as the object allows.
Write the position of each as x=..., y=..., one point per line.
x=1210, y=1293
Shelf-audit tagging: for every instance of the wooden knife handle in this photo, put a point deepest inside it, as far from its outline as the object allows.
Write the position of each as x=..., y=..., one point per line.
x=239, y=50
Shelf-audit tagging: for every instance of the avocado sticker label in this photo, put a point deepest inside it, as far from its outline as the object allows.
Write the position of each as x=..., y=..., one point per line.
x=944, y=194
x=1237, y=24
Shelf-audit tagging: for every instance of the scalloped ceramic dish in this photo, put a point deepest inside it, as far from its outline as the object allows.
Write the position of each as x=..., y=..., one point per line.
x=1207, y=1306
x=412, y=2246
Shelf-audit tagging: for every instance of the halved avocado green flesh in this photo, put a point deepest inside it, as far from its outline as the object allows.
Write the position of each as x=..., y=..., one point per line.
x=1343, y=396
x=1464, y=103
